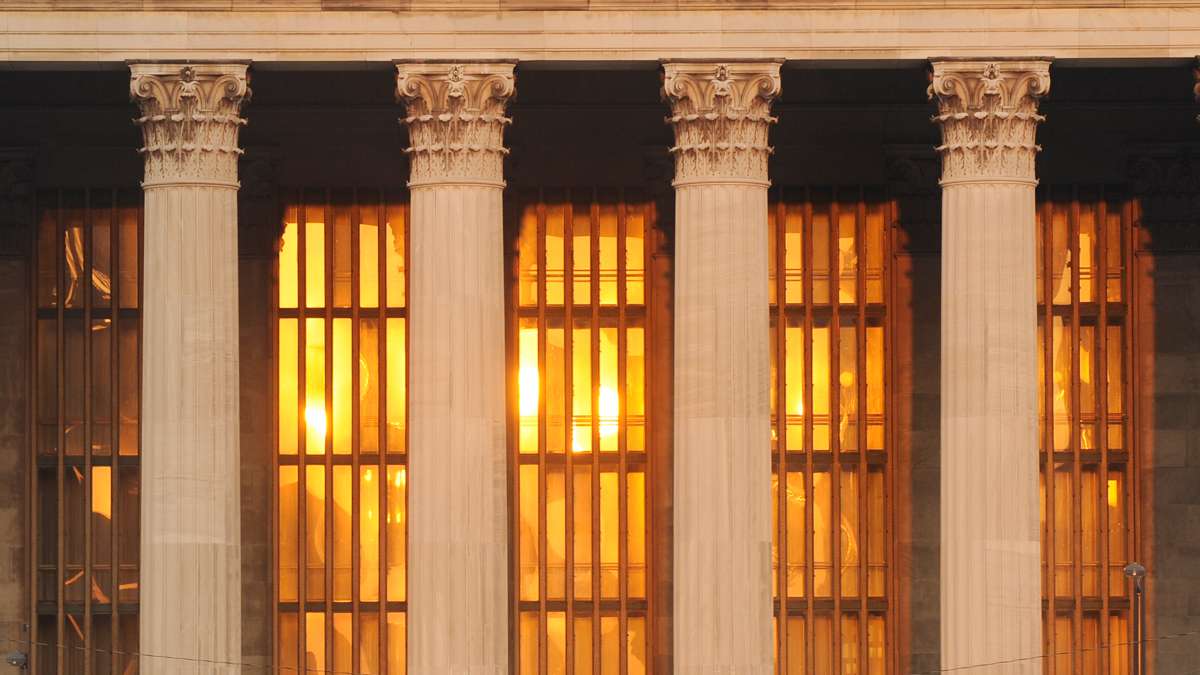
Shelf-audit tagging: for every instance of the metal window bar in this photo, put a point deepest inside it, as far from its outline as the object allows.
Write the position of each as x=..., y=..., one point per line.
x=331, y=621
x=76, y=281
x=829, y=282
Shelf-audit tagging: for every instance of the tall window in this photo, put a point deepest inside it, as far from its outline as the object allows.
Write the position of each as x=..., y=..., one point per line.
x=342, y=479
x=579, y=444
x=85, y=518
x=830, y=451
x=1087, y=463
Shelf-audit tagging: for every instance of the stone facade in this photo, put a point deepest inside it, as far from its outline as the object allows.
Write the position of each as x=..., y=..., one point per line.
x=587, y=127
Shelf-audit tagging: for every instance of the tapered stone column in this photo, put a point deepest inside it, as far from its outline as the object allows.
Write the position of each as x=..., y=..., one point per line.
x=190, y=596
x=722, y=577
x=457, y=504
x=990, y=557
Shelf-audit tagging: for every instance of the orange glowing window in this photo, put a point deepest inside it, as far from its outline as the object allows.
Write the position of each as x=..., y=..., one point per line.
x=830, y=454
x=1087, y=466
x=341, y=466
x=85, y=510
x=579, y=457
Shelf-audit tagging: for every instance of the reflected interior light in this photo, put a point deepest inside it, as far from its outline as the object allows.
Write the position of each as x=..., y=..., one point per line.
x=846, y=378
x=610, y=410
x=528, y=381
x=401, y=478
x=800, y=407
x=314, y=419
x=1114, y=493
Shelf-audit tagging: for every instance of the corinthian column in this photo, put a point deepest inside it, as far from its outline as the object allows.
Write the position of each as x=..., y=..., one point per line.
x=990, y=558
x=457, y=504
x=722, y=578
x=190, y=598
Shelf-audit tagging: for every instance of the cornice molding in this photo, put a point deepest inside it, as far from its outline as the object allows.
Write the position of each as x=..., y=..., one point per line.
x=455, y=119
x=190, y=121
x=987, y=112
x=721, y=114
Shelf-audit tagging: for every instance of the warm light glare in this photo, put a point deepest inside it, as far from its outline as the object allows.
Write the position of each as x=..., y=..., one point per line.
x=314, y=419
x=1114, y=493
x=529, y=391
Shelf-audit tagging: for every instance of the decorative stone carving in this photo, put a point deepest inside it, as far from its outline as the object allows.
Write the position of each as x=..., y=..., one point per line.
x=190, y=120
x=721, y=113
x=455, y=120
x=987, y=111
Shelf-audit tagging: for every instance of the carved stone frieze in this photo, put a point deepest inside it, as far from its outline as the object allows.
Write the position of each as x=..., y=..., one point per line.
x=721, y=113
x=455, y=119
x=190, y=120
x=987, y=111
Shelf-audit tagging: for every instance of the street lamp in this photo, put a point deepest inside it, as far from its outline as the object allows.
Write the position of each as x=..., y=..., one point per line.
x=1137, y=655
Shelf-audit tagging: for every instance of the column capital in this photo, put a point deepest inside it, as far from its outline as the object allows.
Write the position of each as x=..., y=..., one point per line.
x=721, y=113
x=190, y=120
x=987, y=111
x=455, y=119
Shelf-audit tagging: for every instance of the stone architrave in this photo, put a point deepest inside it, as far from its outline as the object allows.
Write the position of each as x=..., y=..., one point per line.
x=458, y=508
x=190, y=586
x=721, y=114
x=991, y=602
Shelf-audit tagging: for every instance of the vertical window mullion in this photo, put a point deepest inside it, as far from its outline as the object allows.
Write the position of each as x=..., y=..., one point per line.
x=329, y=294
x=1050, y=578
x=568, y=360
x=622, y=439
x=1077, y=429
x=355, y=441
x=85, y=284
x=807, y=229
x=594, y=325
x=114, y=248
x=835, y=433
x=60, y=576
x=543, y=281
x=781, y=463
x=862, y=426
x=381, y=342
x=302, y=430
x=1100, y=353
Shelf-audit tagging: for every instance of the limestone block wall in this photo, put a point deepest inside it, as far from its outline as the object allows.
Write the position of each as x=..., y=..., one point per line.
x=14, y=380
x=1168, y=400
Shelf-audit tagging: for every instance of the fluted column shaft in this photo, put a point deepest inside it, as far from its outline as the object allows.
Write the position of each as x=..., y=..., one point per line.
x=990, y=544
x=458, y=537
x=190, y=587
x=722, y=576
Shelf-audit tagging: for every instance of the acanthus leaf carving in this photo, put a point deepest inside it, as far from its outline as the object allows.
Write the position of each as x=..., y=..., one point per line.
x=987, y=111
x=455, y=119
x=721, y=114
x=190, y=120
